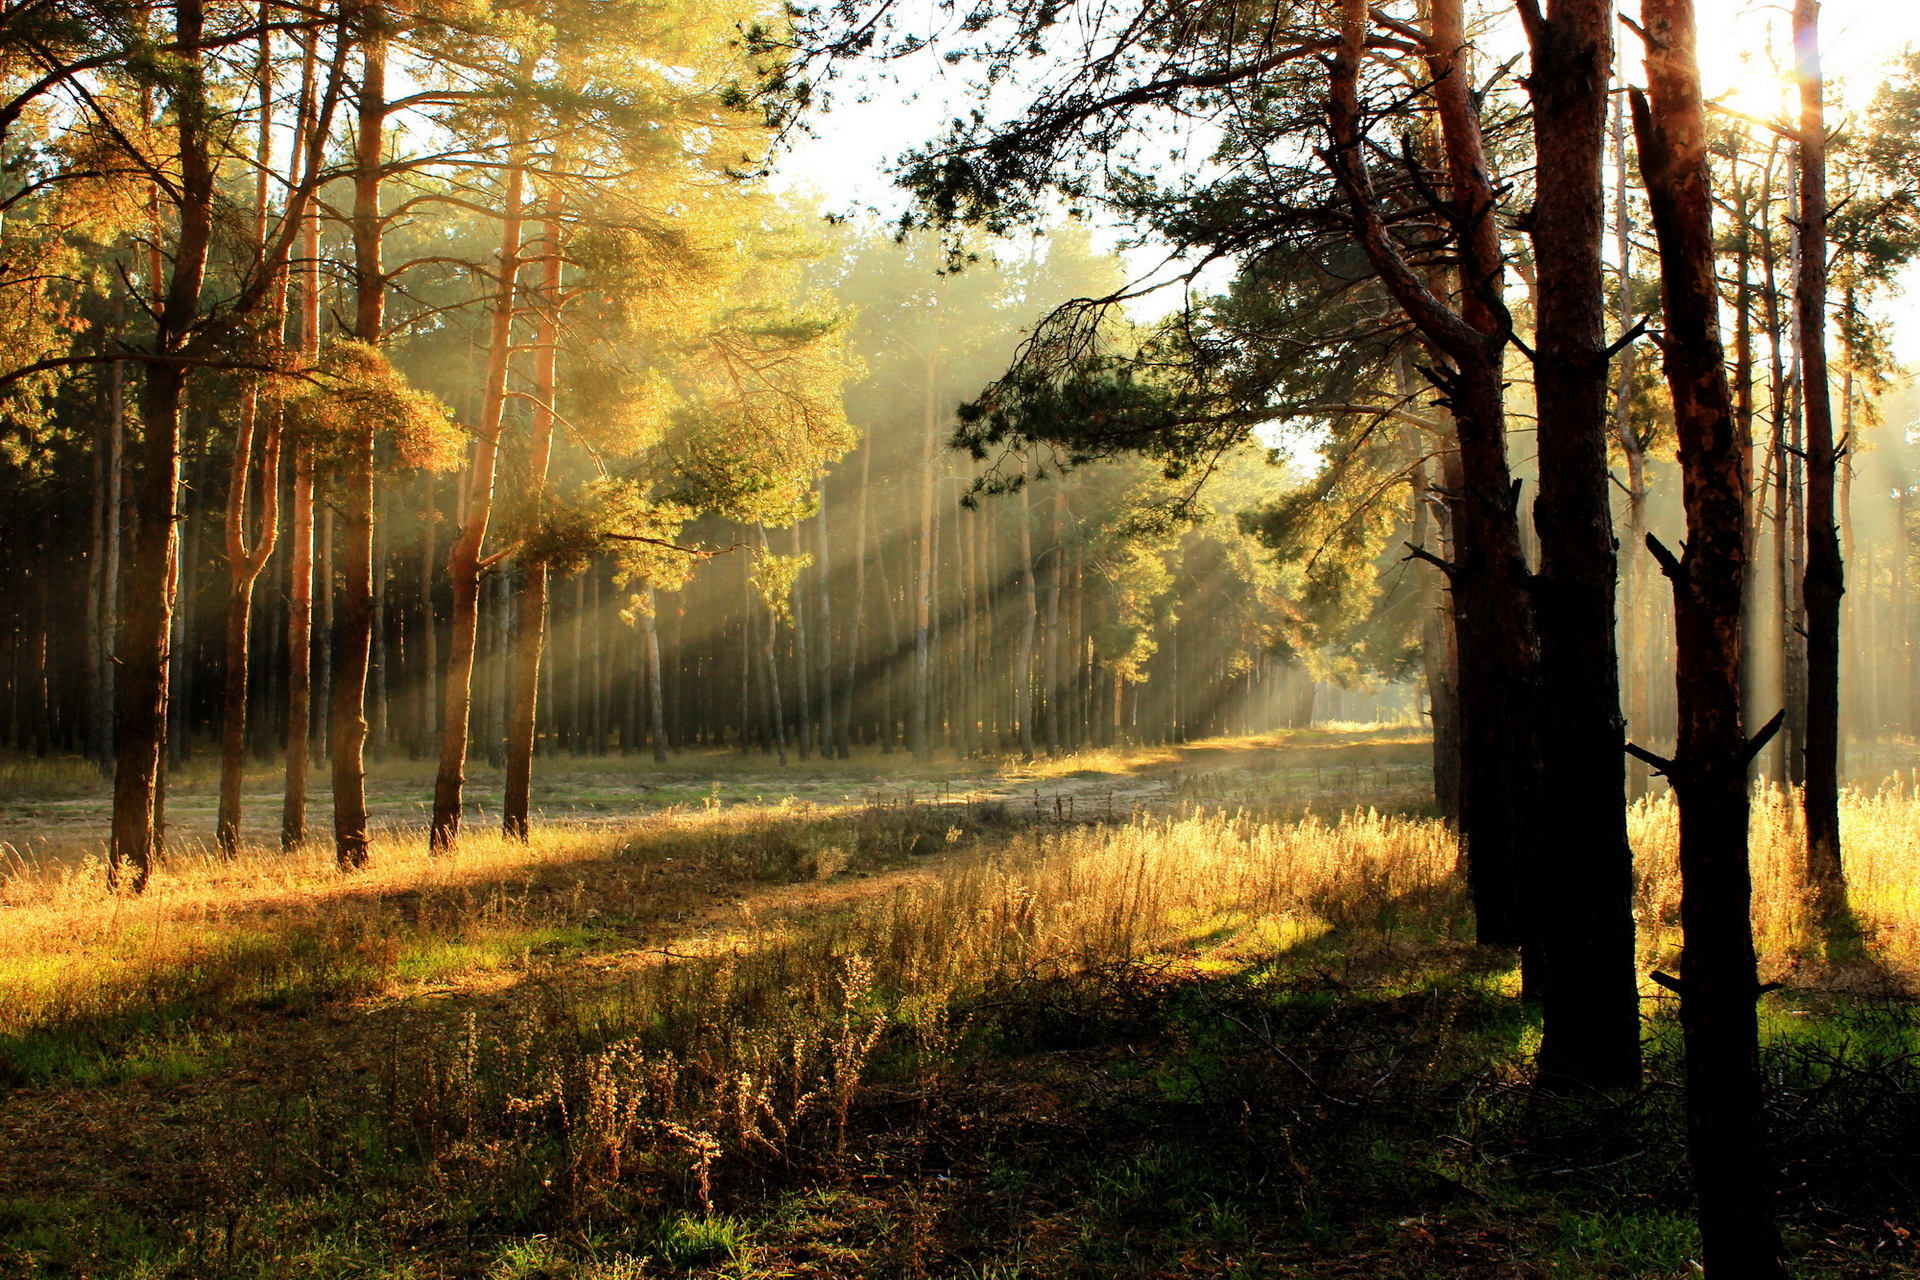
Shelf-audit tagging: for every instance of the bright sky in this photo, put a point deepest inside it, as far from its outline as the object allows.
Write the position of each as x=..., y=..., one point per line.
x=846, y=163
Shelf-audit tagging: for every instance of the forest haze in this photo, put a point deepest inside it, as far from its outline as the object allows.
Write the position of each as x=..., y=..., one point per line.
x=462, y=508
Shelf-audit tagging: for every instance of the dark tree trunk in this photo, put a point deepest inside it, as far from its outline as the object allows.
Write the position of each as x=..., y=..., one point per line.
x=147, y=589
x=1825, y=580
x=1584, y=896
x=1719, y=981
x=1493, y=620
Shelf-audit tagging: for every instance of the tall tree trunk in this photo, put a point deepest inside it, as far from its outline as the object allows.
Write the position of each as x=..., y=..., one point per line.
x=147, y=591
x=429, y=628
x=355, y=644
x=802, y=657
x=1499, y=668
x=823, y=633
x=923, y=577
x=530, y=632
x=1053, y=682
x=1029, y=622
x=463, y=558
x=293, y=807
x=656, y=694
x=1633, y=639
x=105, y=599
x=858, y=618
x=1591, y=1011
x=770, y=668
x=246, y=558
x=1825, y=581
x=1719, y=980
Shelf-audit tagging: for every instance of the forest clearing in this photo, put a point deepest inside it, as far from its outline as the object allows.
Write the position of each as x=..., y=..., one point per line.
x=948, y=1022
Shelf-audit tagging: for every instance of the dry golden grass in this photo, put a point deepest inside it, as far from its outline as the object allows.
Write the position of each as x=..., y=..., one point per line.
x=262, y=925
x=1880, y=837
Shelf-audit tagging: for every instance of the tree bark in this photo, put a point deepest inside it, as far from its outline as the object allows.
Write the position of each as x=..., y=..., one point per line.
x=293, y=807
x=830, y=741
x=530, y=632
x=1719, y=980
x=770, y=669
x=147, y=591
x=855, y=624
x=1029, y=622
x=112, y=446
x=355, y=644
x=656, y=694
x=1584, y=899
x=923, y=576
x=463, y=558
x=1499, y=668
x=1825, y=581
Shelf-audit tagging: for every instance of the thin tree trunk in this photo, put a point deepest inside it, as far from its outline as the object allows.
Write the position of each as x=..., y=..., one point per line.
x=802, y=657
x=770, y=669
x=923, y=577
x=246, y=559
x=1825, y=581
x=656, y=695
x=1498, y=652
x=1053, y=683
x=854, y=627
x=531, y=621
x=1719, y=980
x=429, y=629
x=463, y=558
x=1633, y=640
x=830, y=742
x=355, y=645
x=1029, y=622
x=293, y=808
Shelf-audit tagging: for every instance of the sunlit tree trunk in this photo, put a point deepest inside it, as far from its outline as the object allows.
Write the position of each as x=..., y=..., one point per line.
x=830, y=742
x=355, y=644
x=1719, y=981
x=770, y=668
x=857, y=621
x=656, y=697
x=804, y=724
x=245, y=557
x=1633, y=639
x=463, y=558
x=530, y=634
x=293, y=807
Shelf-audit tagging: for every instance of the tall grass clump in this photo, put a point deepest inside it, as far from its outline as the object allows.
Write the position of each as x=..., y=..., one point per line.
x=1880, y=837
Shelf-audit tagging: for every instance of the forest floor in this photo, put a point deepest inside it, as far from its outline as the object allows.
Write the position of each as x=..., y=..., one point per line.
x=1146, y=1013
